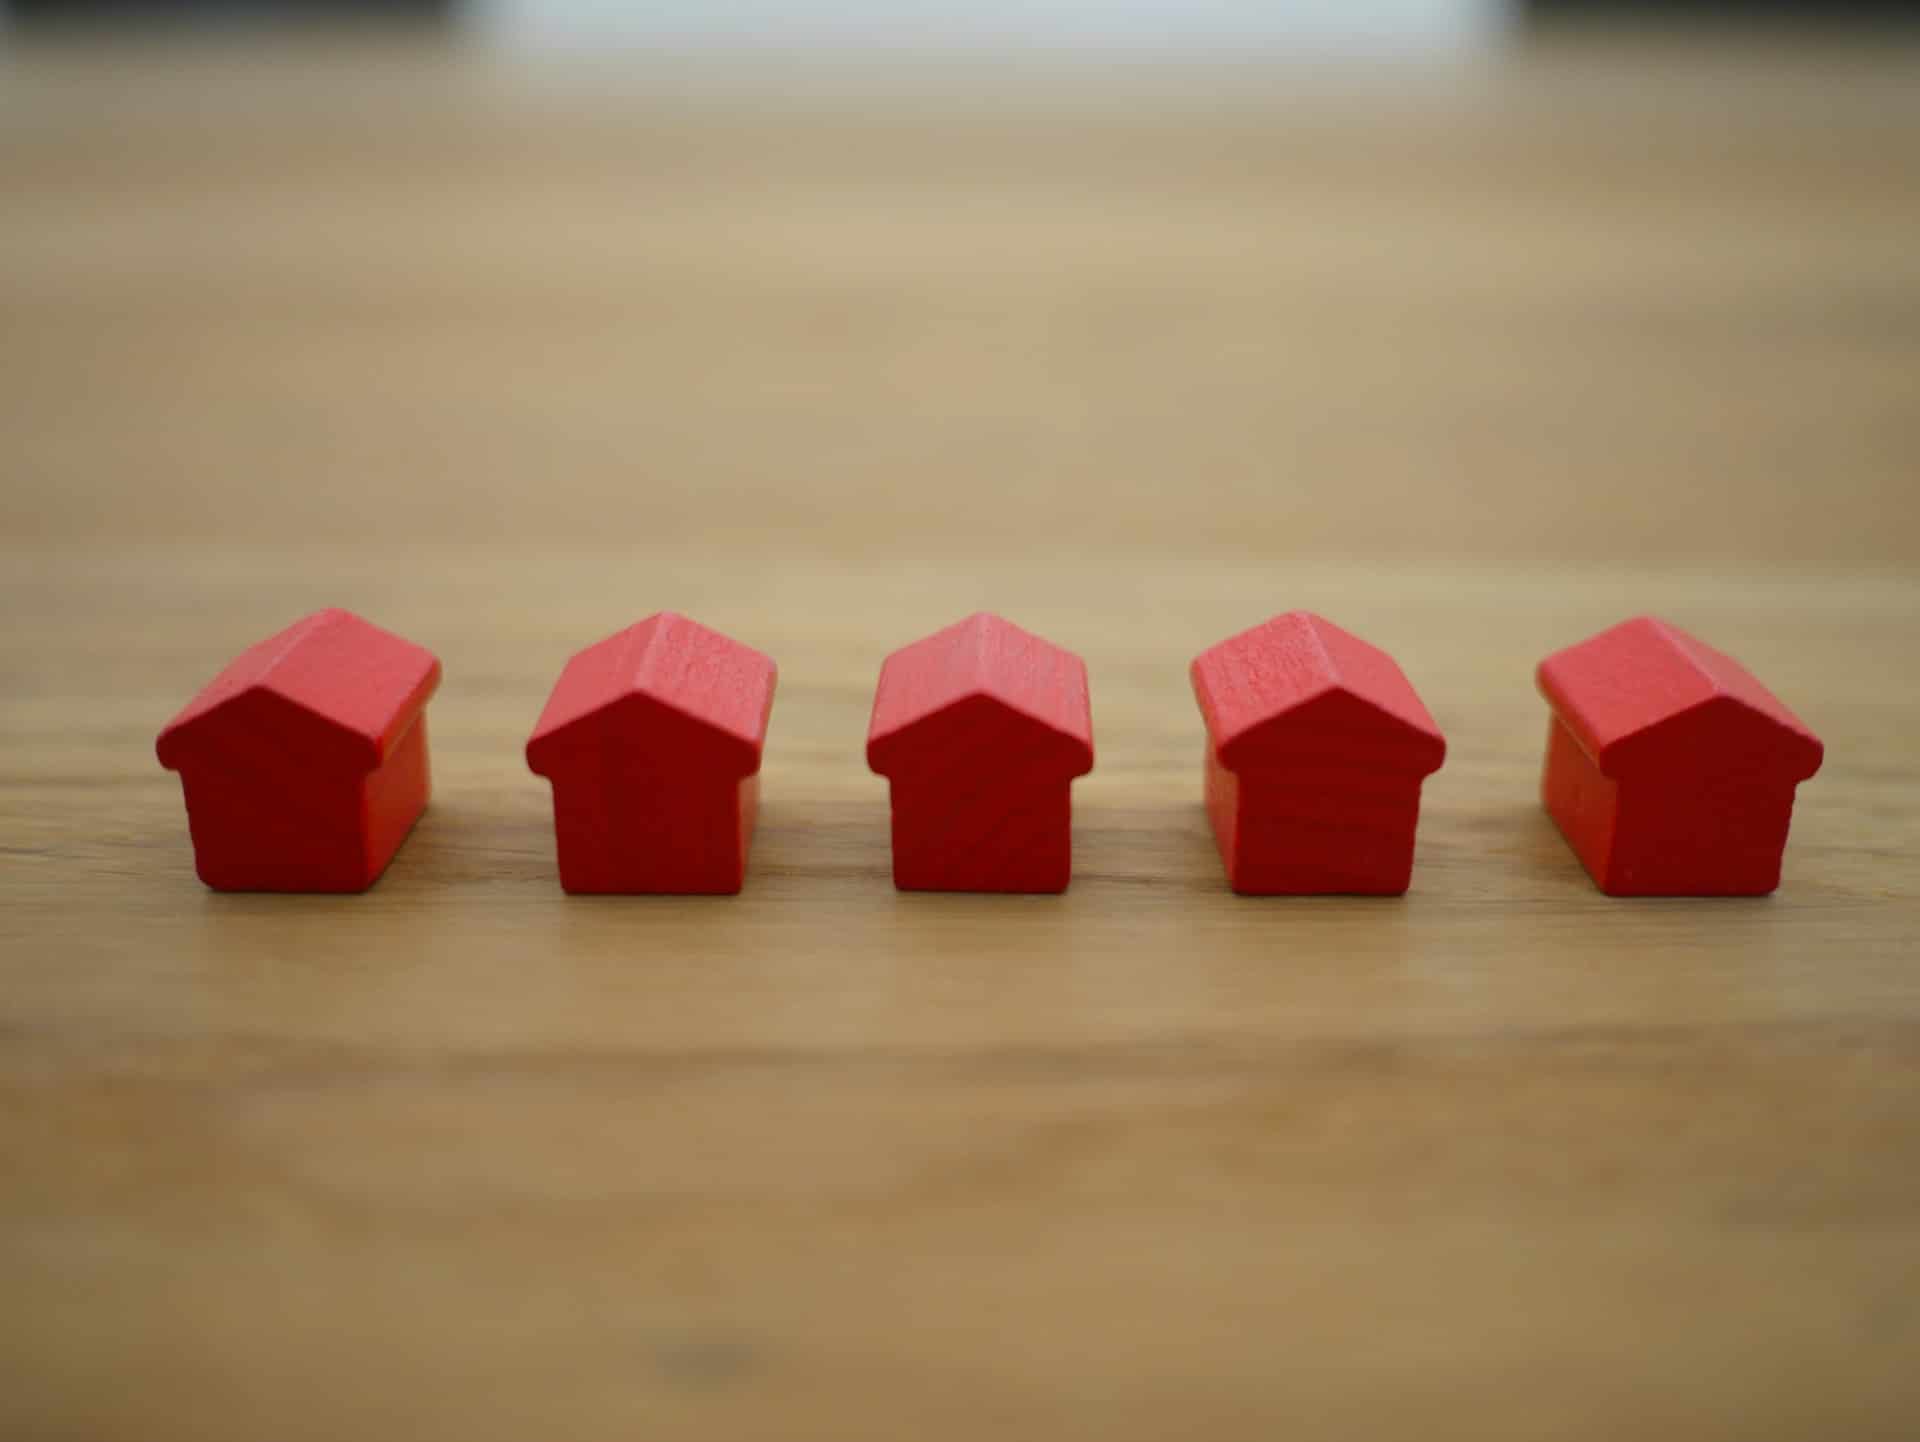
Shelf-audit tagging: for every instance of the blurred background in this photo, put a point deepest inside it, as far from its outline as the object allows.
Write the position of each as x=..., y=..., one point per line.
x=1121, y=24
x=1165, y=27
x=849, y=288
x=1156, y=22
x=832, y=270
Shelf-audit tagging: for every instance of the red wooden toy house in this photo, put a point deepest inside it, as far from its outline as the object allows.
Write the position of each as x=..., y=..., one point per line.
x=981, y=729
x=1316, y=748
x=1670, y=769
x=305, y=762
x=652, y=740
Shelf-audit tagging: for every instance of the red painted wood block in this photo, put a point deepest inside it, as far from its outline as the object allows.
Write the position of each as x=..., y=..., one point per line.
x=980, y=730
x=305, y=762
x=1670, y=769
x=652, y=740
x=1316, y=748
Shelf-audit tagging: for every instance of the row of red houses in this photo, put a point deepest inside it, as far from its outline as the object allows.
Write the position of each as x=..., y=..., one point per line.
x=1669, y=768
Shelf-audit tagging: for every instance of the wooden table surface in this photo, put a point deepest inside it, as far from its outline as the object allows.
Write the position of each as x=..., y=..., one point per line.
x=1474, y=364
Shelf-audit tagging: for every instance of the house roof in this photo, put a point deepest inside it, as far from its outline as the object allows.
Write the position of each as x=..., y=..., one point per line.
x=667, y=683
x=333, y=685
x=973, y=692
x=1644, y=696
x=1298, y=686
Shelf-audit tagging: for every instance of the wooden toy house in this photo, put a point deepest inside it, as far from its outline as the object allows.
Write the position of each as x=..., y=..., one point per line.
x=1670, y=769
x=304, y=762
x=1317, y=745
x=652, y=739
x=980, y=730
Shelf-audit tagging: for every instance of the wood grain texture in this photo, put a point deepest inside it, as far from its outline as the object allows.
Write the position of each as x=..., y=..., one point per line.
x=1476, y=367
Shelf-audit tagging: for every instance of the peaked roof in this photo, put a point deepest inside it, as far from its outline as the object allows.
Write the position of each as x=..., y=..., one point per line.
x=1298, y=684
x=665, y=681
x=342, y=685
x=981, y=684
x=1645, y=696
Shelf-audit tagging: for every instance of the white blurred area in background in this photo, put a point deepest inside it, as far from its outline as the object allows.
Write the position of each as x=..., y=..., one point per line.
x=1129, y=30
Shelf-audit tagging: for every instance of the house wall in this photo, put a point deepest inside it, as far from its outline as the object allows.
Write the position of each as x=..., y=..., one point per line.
x=261, y=834
x=1005, y=834
x=394, y=795
x=1315, y=828
x=625, y=831
x=1583, y=803
x=1710, y=836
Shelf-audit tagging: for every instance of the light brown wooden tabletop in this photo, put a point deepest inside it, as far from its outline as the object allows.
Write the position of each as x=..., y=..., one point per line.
x=1474, y=364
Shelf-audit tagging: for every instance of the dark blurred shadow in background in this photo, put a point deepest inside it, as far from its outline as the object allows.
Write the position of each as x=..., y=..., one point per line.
x=214, y=11
x=1797, y=10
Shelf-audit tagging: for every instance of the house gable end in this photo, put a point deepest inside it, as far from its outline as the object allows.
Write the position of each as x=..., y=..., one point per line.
x=639, y=732
x=980, y=731
x=1721, y=738
x=259, y=727
x=1337, y=726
